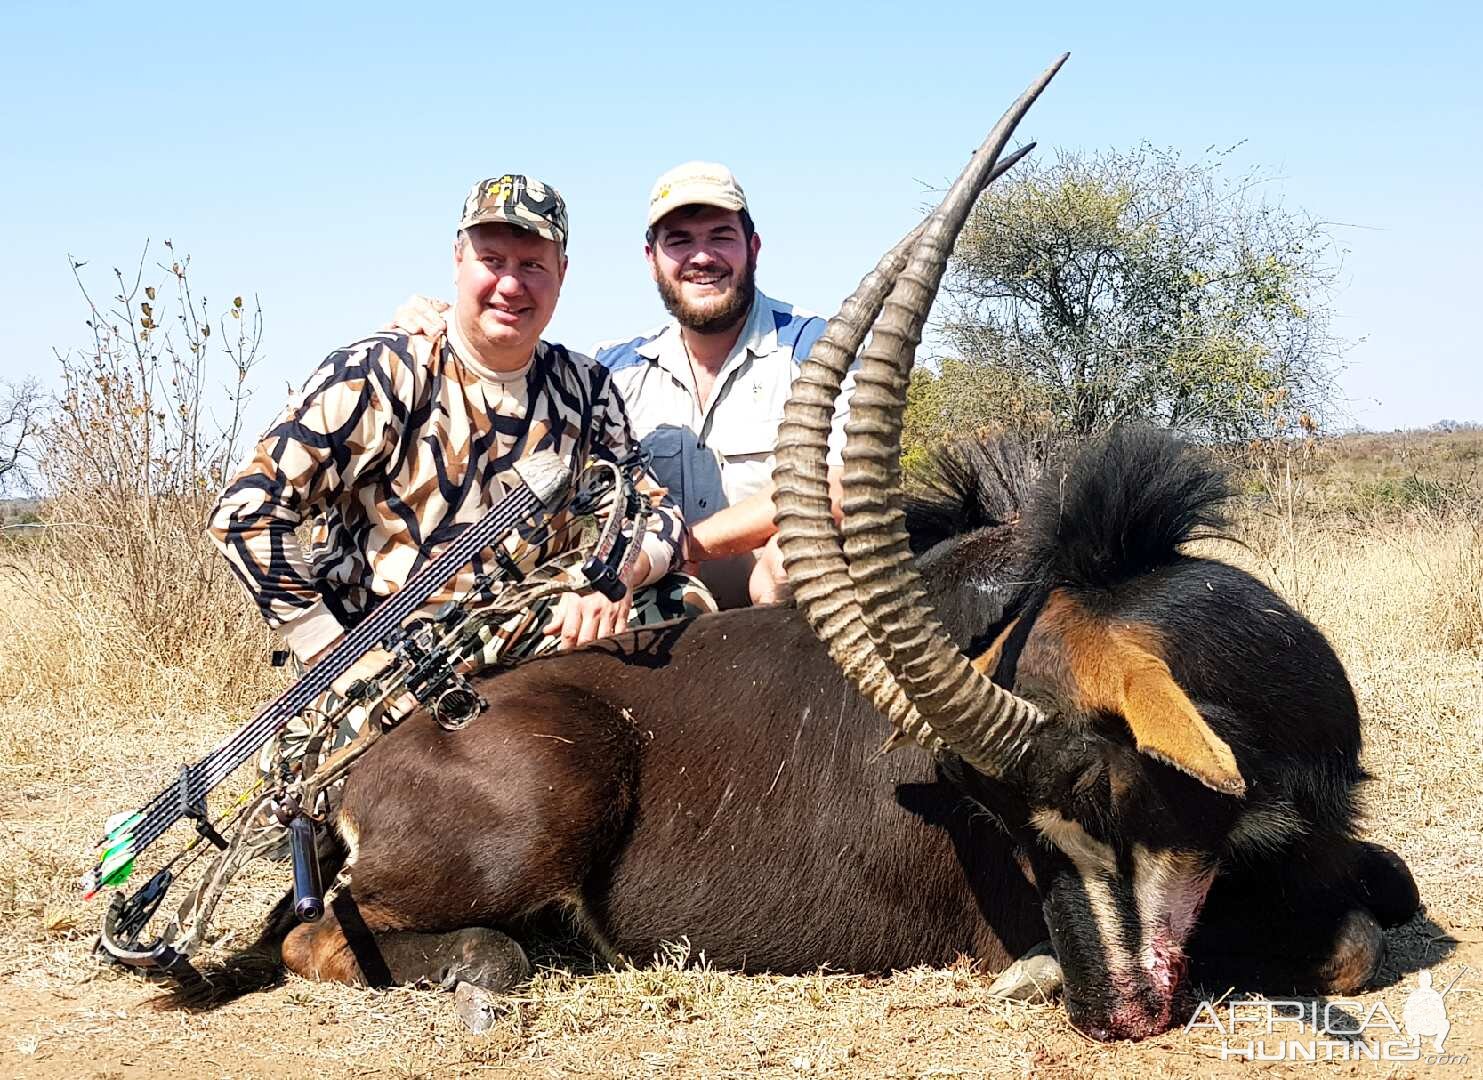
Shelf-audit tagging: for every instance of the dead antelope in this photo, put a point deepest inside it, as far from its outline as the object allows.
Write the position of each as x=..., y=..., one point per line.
x=1146, y=757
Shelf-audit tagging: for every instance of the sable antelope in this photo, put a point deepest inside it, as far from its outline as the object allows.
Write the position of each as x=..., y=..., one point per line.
x=1147, y=757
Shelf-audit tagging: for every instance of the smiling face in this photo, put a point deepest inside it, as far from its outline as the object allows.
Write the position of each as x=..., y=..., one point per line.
x=705, y=264
x=508, y=281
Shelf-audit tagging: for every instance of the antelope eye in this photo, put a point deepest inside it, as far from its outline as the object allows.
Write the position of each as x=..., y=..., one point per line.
x=1089, y=800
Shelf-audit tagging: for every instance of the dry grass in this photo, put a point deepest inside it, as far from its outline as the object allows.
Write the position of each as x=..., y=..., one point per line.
x=94, y=723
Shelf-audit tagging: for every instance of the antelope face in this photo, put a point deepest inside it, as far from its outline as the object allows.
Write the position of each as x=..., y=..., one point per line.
x=1121, y=803
x=1123, y=859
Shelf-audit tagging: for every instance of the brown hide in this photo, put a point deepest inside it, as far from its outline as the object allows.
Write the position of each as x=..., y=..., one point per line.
x=1118, y=667
x=715, y=781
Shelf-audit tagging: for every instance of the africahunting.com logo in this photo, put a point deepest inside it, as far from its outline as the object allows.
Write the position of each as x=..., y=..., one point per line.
x=1335, y=1030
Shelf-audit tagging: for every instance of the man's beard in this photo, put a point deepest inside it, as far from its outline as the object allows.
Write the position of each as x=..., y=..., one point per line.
x=707, y=319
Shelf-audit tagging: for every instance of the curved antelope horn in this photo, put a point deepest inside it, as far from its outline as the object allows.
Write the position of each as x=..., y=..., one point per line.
x=813, y=552
x=812, y=548
x=984, y=723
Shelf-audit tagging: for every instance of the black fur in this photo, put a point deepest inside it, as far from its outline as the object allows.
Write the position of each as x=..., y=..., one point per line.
x=718, y=779
x=968, y=485
x=1121, y=507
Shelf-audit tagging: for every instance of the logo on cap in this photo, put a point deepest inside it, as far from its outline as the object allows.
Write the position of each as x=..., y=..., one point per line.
x=517, y=200
x=695, y=183
x=501, y=189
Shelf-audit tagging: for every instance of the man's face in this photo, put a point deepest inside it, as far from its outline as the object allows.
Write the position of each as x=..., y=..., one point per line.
x=705, y=267
x=508, y=281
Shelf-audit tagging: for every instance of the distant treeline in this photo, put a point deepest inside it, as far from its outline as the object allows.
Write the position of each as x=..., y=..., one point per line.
x=18, y=511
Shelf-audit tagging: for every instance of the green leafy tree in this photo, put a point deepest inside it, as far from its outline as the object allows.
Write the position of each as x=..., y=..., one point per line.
x=964, y=398
x=1102, y=288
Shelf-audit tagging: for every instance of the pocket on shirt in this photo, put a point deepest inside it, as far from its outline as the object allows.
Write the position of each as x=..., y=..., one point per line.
x=665, y=447
x=745, y=424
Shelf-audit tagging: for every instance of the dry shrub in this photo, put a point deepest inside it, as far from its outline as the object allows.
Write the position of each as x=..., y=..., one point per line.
x=1450, y=551
x=1431, y=560
x=118, y=601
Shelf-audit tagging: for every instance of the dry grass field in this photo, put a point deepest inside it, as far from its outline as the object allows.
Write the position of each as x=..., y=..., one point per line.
x=97, y=714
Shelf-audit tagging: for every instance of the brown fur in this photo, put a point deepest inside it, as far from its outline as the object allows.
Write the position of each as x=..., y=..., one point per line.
x=1119, y=668
x=989, y=659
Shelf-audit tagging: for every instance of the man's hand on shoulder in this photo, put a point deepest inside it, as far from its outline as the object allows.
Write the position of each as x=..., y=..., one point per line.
x=424, y=315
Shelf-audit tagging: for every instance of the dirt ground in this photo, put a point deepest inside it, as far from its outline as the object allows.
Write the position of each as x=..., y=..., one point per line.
x=66, y=764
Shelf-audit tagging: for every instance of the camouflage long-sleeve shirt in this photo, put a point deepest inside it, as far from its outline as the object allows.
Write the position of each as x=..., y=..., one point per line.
x=393, y=447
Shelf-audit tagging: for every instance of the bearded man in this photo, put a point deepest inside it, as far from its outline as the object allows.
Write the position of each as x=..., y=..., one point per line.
x=705, y=390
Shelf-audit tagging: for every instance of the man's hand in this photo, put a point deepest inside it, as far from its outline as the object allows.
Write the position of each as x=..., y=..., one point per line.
x=769, y=581
x=580, y=618
x=420, y=315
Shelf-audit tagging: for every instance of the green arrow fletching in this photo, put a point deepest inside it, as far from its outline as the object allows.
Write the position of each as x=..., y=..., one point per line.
x=116, y=857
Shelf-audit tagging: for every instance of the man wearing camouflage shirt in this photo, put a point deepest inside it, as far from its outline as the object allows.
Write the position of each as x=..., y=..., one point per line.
x=705, y=391
x=397, y=444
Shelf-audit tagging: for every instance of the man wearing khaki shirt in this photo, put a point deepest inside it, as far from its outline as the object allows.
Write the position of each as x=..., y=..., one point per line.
x=705, y=391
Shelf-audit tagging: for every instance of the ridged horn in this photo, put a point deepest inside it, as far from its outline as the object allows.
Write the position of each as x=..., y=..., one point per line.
x=810, y=541
x=985, y=724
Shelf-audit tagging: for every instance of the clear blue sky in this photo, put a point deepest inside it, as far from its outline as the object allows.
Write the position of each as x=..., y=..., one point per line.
x=317, y=154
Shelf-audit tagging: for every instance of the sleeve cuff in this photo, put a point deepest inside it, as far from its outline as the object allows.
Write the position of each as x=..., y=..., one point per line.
x=309, y=632
x=661, y=555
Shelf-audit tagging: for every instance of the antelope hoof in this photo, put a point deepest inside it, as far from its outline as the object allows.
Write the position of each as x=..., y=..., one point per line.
x=476, y=1007
x=486, y=959
x=1034, y=978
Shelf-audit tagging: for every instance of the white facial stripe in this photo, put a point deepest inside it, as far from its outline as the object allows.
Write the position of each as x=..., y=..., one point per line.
x=1086, y=853
x=1169, y=888
x=1096, y=866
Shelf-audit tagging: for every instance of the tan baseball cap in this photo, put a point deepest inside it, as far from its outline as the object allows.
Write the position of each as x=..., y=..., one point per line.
x=695, y=183
x=517, y=200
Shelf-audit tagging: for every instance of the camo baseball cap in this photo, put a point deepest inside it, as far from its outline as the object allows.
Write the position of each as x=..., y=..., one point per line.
x=517, y=200
x=695, y=183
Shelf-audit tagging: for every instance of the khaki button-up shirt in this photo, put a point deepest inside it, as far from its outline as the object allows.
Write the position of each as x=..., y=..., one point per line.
x=714, y=456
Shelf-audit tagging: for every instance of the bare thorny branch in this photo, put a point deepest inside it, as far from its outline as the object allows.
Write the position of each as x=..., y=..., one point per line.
x=134, y=447
x=20, y=418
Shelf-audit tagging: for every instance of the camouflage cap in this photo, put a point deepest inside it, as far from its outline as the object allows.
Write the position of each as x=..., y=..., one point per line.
x=517, y=200
x=695, y=183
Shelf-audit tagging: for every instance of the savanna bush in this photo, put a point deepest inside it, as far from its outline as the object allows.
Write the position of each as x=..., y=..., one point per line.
x=131, y=458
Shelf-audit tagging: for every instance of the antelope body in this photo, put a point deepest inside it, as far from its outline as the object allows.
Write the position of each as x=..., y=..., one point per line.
x=1148, y=758
x=720, y=781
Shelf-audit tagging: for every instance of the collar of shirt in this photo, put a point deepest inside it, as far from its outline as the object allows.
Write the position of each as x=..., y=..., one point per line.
x=759, y=337
x=465, y=352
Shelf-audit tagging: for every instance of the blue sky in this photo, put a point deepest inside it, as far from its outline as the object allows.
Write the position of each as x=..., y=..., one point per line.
x=317, y=155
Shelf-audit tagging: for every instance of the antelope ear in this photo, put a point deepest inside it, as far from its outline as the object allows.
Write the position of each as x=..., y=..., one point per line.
x=1166, y=725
